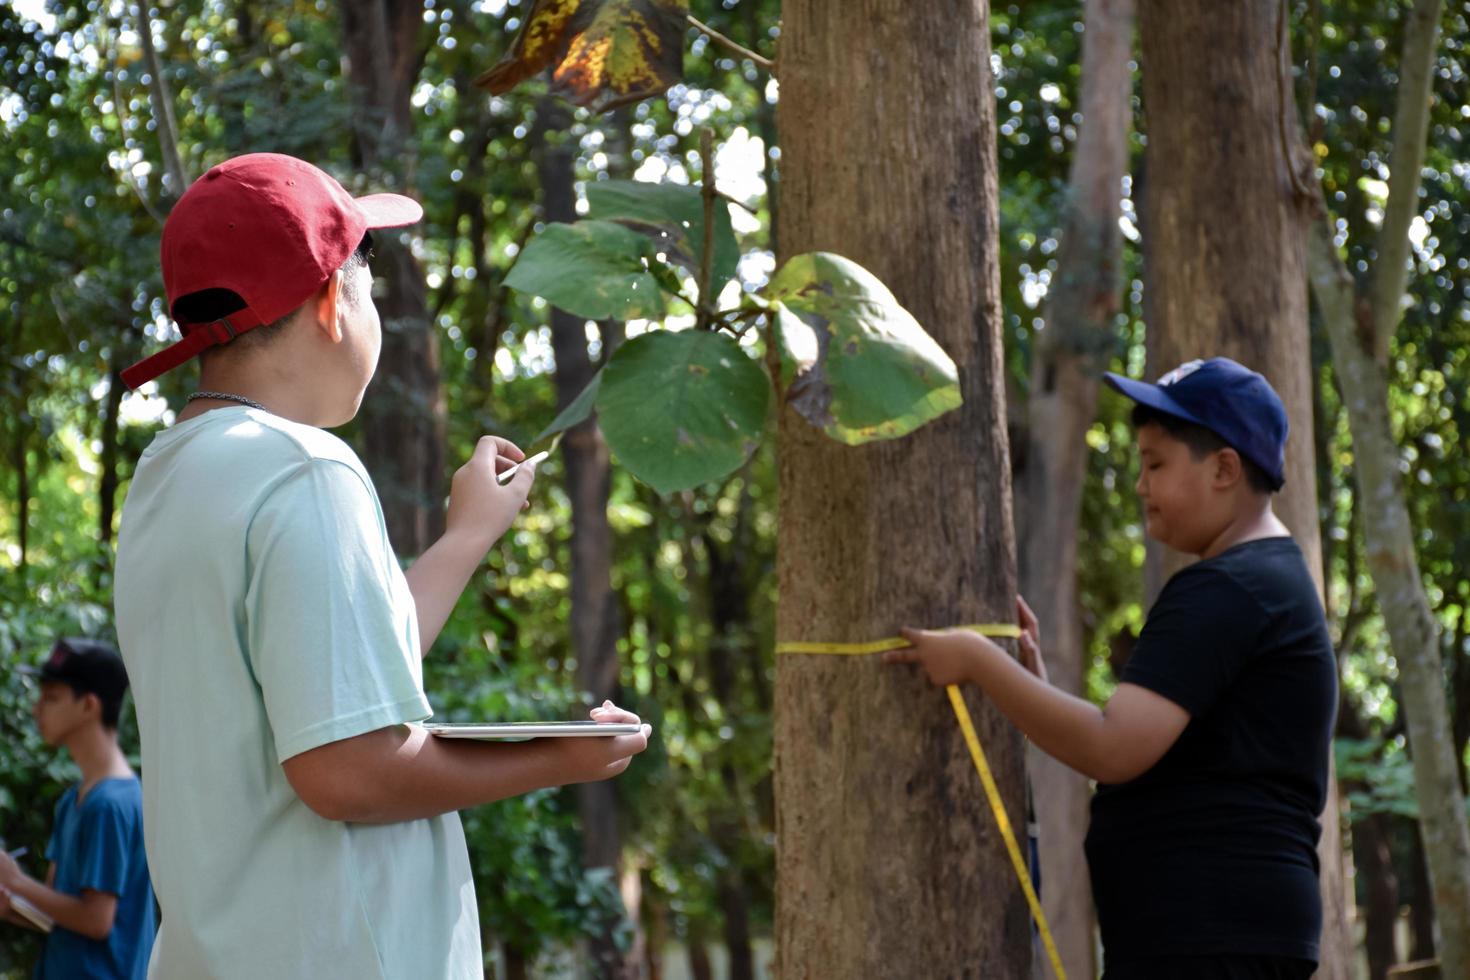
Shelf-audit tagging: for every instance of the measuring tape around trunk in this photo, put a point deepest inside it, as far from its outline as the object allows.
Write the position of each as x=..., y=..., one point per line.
x=977, y=755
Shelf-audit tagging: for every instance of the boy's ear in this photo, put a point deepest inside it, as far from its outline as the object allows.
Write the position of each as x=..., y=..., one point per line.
x=1228, y=468
x=91, y=704
x=328, y=301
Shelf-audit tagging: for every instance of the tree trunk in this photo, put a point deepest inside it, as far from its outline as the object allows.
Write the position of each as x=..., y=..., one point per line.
x=403, y=427
x=1374, y=862
x=584, y=453
x=1358, y=331
x=729, y=614
x=1217, y=99
x=1071, y=353
x=1411, y=625
x=889, y=863
x=22, y=488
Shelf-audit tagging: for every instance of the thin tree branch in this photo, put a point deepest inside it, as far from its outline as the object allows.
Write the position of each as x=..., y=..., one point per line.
x=734, y=46
x=1410, y=130
x=163, y=106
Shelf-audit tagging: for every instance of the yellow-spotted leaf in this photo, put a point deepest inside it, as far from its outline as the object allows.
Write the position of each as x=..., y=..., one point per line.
x=602, y=53
x=541, y=43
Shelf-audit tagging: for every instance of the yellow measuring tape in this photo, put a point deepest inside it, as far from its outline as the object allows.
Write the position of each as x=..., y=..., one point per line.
x=977, y=754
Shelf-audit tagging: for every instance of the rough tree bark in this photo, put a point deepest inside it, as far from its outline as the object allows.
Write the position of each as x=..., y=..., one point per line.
x=1070, y=356
x=1360, y=329
x=1224, y=224
x=403, y=415
x=888, y=862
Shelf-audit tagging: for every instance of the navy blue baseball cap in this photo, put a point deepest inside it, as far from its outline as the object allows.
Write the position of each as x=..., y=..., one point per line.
x=1230, y=400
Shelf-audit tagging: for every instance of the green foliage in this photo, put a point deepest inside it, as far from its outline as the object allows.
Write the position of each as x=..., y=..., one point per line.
x=673, y=215
x=594, y=269
x=682, y=408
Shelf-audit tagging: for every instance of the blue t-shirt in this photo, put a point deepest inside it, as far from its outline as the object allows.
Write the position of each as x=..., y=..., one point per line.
x=99, y=845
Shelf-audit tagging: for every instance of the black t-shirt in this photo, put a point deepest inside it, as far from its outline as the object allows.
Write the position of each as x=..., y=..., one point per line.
x=1213, y=850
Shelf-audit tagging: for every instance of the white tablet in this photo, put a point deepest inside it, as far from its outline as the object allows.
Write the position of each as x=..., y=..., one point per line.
x=532, y=729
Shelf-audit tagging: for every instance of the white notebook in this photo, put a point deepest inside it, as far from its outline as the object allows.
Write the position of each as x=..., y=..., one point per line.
x=38, y=918
x=514, y=730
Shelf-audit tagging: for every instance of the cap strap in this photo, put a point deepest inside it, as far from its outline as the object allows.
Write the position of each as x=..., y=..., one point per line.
x=197, y=337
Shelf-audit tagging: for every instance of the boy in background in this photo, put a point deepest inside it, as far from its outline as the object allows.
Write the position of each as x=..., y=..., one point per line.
x=96, y=891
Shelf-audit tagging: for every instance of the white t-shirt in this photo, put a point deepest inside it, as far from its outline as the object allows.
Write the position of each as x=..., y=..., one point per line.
x=261, y=613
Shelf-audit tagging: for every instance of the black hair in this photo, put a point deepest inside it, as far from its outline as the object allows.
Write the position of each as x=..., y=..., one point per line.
x=208, y=305
x=1201, y=442
x=111, y=705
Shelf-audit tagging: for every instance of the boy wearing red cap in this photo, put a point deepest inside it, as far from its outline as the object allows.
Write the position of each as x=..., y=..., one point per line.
x=298, y=824
x=1211, y=756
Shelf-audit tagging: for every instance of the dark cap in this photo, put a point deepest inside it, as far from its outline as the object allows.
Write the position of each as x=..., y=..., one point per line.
x=87, y=666
x=1230, y=400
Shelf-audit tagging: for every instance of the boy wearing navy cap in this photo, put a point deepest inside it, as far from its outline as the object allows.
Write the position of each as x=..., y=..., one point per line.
x=97, y=892
x=1211, y=756
x=299, y=824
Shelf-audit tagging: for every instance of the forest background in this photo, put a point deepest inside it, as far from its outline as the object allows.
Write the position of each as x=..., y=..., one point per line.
x=668, y=601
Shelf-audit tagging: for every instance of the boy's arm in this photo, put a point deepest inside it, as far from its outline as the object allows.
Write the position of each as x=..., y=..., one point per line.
x=404, y=773
x=91, y=915
x=480, y=511
x=1113, y=744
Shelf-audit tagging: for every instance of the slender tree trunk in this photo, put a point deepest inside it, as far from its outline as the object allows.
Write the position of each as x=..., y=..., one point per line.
x=1222, y=128
x=699, y=964
x=1421, y=913
x=888, y=861
x=729, y=607
x=107, y=487
x=1071, y=353
x=22, y=489
x=1358, y=330
x=403, y=428
x=588, y=474
x=1374, y=861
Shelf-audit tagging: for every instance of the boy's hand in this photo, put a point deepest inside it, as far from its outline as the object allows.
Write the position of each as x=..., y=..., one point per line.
x=588, y=760
x=1030, y=639
x=10, y=873
x=947, y=656
x=479, y=507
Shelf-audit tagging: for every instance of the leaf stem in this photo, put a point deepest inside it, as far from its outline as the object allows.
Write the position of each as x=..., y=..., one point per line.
x=739, y=49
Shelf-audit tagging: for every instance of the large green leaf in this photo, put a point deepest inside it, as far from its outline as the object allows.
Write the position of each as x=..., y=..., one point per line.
x=682, y=408
x=854, y=362
x=602, y=53
x=673, y=216
x=595, y=269
x=577, y=410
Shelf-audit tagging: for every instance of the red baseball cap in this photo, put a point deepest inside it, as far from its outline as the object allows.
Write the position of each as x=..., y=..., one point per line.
x=269, y=228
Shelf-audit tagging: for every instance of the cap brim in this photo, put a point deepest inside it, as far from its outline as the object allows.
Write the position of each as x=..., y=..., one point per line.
x=1151, y=395
x=390, y=210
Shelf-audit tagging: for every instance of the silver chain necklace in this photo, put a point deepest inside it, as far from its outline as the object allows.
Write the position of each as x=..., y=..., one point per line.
x=225, y=396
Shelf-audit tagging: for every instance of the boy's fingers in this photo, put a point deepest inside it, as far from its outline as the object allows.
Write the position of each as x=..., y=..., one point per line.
x=1024, y=613
x=503, y=446
x=906, y=656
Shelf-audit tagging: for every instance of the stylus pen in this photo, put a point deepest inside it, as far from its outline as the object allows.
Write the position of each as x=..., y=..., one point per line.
x=505, y=476
x=18, y=853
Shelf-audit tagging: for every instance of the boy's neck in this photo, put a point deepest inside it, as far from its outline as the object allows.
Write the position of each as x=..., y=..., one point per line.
x=95, y=751
x=1251, y=522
